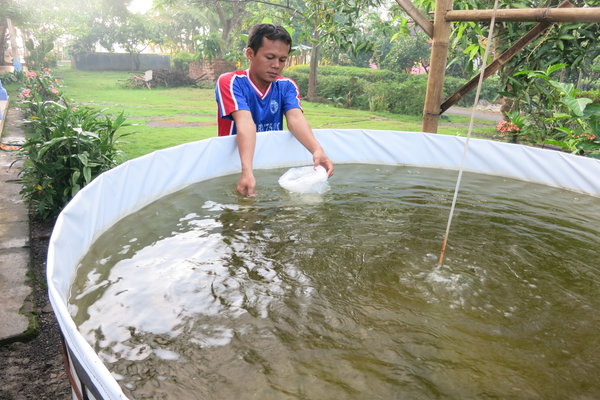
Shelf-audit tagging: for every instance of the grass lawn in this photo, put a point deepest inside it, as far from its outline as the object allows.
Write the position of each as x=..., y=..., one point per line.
x=167, y=117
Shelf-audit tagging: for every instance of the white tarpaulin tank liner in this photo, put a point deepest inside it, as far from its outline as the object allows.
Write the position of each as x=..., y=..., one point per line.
x=137, y=183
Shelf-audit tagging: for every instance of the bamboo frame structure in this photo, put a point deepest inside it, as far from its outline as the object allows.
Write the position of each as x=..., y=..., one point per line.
x=590, y=14
x=500, y=61
x=437, y=66
x=417, y=16
x=443, y=17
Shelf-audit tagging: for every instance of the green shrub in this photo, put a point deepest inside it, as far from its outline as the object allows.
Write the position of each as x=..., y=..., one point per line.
x=383, y=96
x=39, y=87
x=182, y=60
x=12, y=77
x=345, y=91
x=594, y=95
x=489, y=90
x=368, y=74
x=590, y=84
x=382, y=90
x=409, y=97
x=345, y=86
x=406, y=97
x=40, y=54
x=67, y=149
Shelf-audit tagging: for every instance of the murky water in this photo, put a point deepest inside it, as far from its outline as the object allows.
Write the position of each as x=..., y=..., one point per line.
x=203, y=295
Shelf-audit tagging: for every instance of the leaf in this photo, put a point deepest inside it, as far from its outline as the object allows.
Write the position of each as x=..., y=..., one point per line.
x=568, y=131
x=75, y=177
x=75, y=190
x=507, y=94
x=595, y=126
x=526, y=72
x=87, y=174
x=83, y=157
x=559, y=143
x=566, y=88
x=577, y=106
x=561, y=115
x=554, y=68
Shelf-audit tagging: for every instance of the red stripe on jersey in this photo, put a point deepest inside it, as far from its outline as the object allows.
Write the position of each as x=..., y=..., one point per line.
x=227, y=103
x=224, y=126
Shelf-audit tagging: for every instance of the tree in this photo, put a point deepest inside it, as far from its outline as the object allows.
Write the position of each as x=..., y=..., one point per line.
x=406, y=51
x=180, y=25
x=221, y=17
x=134, y=34
x=320, y=24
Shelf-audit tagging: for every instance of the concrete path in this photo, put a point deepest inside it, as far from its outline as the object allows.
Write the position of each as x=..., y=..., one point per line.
x=14, y=235
x=487, y=115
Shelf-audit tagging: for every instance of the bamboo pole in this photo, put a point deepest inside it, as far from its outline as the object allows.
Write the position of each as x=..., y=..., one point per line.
x=417, y=16
x=437, y=69
x=501, y=60
x=589, y=14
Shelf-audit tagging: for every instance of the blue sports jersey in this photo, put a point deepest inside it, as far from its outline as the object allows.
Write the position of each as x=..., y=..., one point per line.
x=236, y=91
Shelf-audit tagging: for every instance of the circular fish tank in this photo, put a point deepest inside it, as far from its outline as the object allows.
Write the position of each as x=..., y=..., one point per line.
x=166, y=284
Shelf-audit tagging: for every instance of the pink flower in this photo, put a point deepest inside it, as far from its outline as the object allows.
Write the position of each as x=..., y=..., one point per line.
x=417, y=70
x=25, y=93
x=507, y=127
x=54, y=90
x=73, y=108
x=31, y=75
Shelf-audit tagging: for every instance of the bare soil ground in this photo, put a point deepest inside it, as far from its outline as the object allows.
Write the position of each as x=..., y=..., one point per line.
x=34, y=369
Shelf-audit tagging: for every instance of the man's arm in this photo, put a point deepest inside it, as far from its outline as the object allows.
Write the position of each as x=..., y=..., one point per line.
x=298, y=125
x=246, y=141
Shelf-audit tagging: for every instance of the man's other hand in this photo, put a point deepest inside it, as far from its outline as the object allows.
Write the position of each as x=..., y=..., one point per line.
x=246, y=185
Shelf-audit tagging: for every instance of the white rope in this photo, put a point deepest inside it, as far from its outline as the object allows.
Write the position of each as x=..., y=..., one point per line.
x=466, y=148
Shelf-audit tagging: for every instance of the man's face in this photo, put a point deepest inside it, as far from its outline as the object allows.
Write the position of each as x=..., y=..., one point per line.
x=268, y=62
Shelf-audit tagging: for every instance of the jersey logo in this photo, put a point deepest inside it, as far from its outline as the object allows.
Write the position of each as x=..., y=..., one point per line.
x=274, y=106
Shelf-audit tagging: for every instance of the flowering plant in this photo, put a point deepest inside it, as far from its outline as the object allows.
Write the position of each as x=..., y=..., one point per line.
x=511, y=127
x=39, y=87
x=507, y=127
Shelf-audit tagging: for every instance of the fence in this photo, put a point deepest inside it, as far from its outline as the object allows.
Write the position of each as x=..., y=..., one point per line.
x=119, y=61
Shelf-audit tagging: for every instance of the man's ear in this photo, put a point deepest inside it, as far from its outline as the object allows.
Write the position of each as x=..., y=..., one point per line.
x=249, y=53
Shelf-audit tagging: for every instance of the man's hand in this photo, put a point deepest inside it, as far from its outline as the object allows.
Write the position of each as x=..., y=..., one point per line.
x=246, y=184
x=246, y=141
x=319, y=158
x=299, y=127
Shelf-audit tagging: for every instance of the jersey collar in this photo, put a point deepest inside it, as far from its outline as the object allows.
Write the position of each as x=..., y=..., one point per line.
x=256, y=89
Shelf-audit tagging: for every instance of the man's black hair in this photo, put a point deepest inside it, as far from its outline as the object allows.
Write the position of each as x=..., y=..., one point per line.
x=271, y=32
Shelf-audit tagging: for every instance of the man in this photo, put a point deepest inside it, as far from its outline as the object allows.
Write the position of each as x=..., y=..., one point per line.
x=255, y=100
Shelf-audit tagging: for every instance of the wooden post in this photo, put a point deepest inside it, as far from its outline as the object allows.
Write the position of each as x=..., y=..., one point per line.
x=437, y=69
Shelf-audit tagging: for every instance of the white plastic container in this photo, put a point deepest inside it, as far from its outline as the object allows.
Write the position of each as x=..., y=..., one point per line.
x=305, y=180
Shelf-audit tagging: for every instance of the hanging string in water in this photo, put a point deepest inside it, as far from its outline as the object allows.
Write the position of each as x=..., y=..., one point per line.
x=466, y=148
